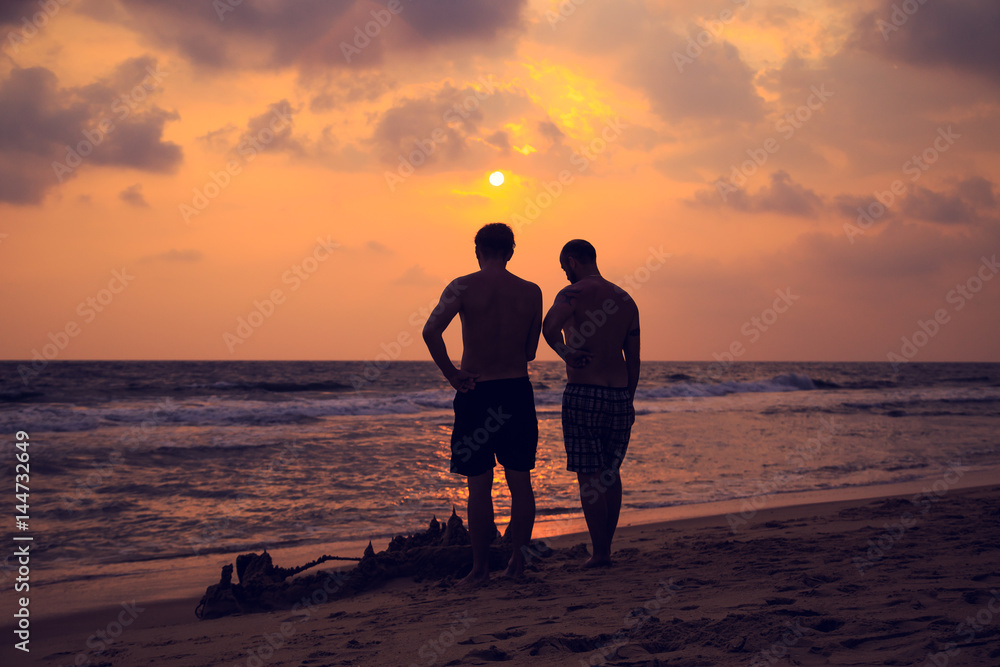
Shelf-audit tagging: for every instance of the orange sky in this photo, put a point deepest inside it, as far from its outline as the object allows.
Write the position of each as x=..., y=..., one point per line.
x=170, y=170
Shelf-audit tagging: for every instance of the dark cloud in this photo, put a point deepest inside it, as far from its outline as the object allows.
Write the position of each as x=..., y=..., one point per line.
x=343, y=89
x=132, y=195
x=500, y=139
x=959, y=34
x=978, y=191
x=924, y=204
x=551, y=131
x=462, y=19
x=13, y=12
x=685, y=82
x=47, y=132
x=782, y=195
x=968, y=201
x=309, y=33
x=272, y=130
x=442, y=125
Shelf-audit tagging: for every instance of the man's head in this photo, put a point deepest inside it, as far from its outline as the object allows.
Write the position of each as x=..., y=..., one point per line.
x=578, y=259
x=495, y=241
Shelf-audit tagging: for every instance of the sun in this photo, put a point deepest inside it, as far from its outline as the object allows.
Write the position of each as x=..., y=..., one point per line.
x=496, y=178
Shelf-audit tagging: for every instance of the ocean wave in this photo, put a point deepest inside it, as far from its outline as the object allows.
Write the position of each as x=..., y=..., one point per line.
x=785, y=382
x=227, y=410
x=222, y=410
x=275, y=387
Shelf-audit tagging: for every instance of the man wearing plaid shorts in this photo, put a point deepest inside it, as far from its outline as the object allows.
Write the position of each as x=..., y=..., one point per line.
x=594, y=327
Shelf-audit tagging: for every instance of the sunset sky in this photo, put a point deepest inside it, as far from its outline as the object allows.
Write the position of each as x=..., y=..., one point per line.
x=317, y=171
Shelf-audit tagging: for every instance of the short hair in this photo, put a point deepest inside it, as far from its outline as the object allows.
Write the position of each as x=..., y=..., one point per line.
x=581, y=251
x=495, y=240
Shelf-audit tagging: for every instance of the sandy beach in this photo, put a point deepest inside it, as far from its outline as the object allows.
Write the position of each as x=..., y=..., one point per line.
x=908, y=579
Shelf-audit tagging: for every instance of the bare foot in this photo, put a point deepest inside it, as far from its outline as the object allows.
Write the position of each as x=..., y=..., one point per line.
x=474, y=579
x=594, y=561
x=513, y=571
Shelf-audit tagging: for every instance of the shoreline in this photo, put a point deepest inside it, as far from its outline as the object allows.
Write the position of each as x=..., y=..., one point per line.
x=166, y=615
x=158, y=578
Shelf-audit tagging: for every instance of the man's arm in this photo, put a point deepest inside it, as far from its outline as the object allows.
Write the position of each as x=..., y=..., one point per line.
x=631, y=350
x=535, y=330
x=444, y=312
x=552, y=327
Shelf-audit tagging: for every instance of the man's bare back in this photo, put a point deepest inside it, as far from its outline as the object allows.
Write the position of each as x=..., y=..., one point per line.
x=501, y=322
x=601, y=319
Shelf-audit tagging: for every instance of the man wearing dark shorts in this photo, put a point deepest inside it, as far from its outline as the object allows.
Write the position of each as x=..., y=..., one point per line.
x=495, y=418
x=594, y=327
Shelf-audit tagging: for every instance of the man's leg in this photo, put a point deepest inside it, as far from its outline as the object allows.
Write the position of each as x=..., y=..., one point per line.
x=601, y=505
x=613, y=497
x=481, y=526
x=522, y=518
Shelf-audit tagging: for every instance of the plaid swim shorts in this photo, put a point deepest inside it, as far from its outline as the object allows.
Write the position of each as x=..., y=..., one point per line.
x=597, y=422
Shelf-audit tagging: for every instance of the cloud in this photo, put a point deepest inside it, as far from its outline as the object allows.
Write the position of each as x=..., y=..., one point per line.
x=500, y=139
x=707, y=83
x=263, y=34
x=449, y=127
x=132, y=195
x=551, y=131
x=415, y=276
x=783, y=196
x=173, y=255
x=108, y=123
x=968, y=201
x=959, y=34
x=12, y=11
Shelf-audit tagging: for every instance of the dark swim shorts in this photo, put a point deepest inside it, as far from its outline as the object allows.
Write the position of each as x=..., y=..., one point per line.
x=497, y=418
x=597, y=422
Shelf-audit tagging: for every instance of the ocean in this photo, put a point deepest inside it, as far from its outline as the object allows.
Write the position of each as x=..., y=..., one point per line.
x=143, y=466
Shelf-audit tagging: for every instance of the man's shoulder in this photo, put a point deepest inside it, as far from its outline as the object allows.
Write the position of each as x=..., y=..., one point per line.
x=619, y=292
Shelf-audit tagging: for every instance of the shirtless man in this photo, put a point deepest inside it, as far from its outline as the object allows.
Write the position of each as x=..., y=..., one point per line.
x=501, y=318
x=601, y=351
